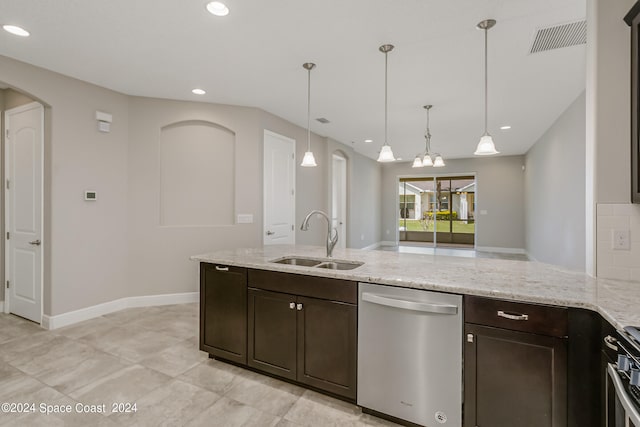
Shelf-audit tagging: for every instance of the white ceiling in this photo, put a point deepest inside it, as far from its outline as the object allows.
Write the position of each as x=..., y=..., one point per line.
x=254, y=57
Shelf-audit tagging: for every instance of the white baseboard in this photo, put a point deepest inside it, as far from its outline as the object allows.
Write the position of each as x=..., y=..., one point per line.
x=71, y=317
x=501, y=250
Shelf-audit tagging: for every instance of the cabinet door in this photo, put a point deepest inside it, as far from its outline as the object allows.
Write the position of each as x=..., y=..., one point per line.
x=327, y=337
x=272, y=332
x=514, y=379
x=223, y=312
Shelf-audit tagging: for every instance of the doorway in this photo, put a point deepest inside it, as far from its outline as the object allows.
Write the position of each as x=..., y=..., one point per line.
x=24, y=171
x=339, y=197
x=437, y=210
x=279, y=189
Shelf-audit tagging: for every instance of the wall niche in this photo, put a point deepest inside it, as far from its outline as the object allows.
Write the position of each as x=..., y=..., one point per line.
x=197, y=174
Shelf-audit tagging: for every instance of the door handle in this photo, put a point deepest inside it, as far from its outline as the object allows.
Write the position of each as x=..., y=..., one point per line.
x=222, y=268
x=35, y=243
x=515, y=316
x=410, y=305
x=269, y=233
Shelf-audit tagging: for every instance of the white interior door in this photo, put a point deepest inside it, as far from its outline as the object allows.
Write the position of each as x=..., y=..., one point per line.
x=24, y=145
x=279, y=189
x=339, y=198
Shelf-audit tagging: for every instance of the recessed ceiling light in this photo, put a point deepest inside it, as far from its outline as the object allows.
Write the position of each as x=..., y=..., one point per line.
x=198, y=91
x=368, y=140
x=218, y=8
x=507, y=127
x=18, y=31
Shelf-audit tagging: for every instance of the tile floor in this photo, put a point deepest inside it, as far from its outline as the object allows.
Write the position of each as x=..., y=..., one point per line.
x=147, y=356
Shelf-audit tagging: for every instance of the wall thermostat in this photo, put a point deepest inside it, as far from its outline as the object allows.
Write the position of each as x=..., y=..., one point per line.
x=90, y=195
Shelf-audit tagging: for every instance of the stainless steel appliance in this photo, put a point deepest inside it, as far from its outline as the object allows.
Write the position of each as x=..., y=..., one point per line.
x=623, y=380
x=410, y=354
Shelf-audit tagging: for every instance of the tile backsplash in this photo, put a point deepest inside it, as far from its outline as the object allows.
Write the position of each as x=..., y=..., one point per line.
x=615, y=263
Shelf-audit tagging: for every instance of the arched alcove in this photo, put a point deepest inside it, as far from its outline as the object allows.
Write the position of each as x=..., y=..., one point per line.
x=197, y=174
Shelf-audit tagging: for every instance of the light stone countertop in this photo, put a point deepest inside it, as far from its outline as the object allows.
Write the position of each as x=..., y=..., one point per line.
x=617, y=301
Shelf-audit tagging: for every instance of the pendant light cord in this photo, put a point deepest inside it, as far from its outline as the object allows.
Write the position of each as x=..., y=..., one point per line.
x=385, y=98
x=309, y=111
x=427, y=136
x=486, y=78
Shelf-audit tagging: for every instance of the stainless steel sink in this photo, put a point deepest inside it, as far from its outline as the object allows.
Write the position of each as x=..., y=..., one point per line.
x=327, y=263
x=339, y=265
x=305, y=262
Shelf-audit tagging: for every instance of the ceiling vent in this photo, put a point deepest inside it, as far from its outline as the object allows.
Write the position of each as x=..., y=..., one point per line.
x=558, y=36
x=323, y=120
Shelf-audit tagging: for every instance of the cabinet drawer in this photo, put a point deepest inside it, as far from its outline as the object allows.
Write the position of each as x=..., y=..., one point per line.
x=533, y=318
x=307, y=286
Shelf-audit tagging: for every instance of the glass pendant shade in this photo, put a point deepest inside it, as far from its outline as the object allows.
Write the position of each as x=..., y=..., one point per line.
x=308, y=160
x=426, y=161
x=386, y=155
x=486, y=147
x=417, y=162
x=438, y=162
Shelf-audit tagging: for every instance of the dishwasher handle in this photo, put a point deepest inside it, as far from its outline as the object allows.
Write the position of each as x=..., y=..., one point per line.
x=424, y=307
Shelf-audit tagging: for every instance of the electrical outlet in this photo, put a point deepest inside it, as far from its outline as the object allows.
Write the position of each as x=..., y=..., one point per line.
x=620, y=240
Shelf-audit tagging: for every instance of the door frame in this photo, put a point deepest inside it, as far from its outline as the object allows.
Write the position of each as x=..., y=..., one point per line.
x=430, y=175
x=7, y=210
x=339, y=154
x=293, y=184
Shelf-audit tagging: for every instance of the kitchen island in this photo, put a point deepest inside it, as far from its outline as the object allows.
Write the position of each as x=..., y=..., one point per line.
x=524, y=281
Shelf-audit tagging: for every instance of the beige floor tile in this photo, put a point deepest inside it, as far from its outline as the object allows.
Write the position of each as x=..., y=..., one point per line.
x=133, y=344
x=265, y=393
x=125, y=386
x=21, y=346
x=176, y=359
x=60, y=353
x=125, y=317
x=97, y=365
x=212, y=375
x=314, y=409
x=93, y=326
x=174, y=404
x=176, y=325
x=12, y=327
x=230, y=413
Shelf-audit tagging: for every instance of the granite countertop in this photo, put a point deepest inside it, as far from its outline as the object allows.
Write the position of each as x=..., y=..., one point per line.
x=526, y=281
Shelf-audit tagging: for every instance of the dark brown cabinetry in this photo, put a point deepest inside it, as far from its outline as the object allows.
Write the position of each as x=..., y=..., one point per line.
x=223, y=312
x=304, y=332
x=515, y=364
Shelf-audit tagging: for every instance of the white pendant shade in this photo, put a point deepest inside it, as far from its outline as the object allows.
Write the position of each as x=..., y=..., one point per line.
x=426, y=161
x=386, y=155
x=486, y=146
x=417, y=162
x=308, y=160
x=438, y=162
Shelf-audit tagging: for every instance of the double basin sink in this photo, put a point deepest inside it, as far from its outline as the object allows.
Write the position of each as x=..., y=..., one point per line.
x=326, y=263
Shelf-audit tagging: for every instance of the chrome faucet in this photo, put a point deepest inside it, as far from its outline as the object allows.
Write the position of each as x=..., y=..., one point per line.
x=332, y=239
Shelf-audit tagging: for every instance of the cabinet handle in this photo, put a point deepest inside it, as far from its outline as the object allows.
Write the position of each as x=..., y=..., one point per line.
x=222, y=268
x=513, y=316
x=292, y=305
x=610, y=342
x=299, y=306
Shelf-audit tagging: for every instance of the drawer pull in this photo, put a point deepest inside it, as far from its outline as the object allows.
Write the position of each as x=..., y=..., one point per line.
x=610, y=342
x=222, y=268
x=513, y=316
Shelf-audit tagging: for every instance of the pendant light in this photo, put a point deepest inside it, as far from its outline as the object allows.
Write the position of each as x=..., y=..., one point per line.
x=308, y=160
x=386, y=155
x=486, y=146
x=426, y=159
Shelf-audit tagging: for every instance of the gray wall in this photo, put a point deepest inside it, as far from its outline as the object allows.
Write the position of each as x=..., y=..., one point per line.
x=555, y=191
x=364, y=202
x=114, y=248
x=499, y=191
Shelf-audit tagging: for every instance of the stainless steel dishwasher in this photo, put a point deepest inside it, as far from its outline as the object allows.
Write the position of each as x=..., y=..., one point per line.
x=410, y=354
